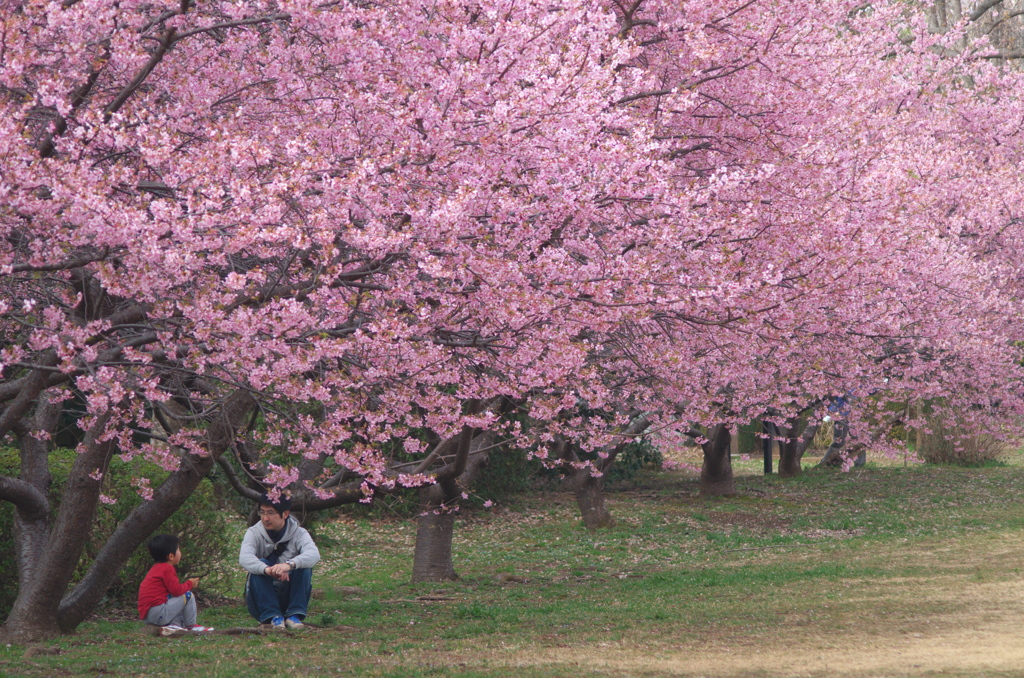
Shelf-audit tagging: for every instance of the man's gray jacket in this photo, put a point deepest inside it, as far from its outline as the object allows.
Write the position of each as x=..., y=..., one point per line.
x=257, y=544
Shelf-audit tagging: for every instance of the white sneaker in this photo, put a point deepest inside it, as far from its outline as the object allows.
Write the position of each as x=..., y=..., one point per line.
x=170, y=630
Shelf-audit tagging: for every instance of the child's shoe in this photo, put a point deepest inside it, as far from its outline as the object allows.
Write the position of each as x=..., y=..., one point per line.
x=199, y=629
x=170, y=630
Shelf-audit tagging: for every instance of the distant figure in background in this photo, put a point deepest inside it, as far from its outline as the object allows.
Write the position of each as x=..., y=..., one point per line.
x=279, y=555
x=838, y=412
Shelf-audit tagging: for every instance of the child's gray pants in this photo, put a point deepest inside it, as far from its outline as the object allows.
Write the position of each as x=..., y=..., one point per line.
x=179, y=611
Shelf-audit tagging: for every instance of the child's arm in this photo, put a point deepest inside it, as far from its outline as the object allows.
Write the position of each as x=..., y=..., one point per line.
x=175, y=587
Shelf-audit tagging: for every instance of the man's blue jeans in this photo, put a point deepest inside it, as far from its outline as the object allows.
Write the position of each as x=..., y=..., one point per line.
x=267, y=597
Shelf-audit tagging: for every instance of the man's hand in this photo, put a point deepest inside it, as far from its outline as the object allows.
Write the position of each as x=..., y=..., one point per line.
x=278, y=572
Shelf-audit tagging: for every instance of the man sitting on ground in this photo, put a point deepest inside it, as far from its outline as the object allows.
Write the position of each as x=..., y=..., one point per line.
x=279, y=555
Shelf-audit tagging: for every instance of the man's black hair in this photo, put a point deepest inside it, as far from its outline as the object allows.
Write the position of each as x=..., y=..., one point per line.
x=281, y=505
x=162, y=547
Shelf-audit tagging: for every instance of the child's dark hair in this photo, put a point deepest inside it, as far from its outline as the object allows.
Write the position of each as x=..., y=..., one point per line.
x=162, y=547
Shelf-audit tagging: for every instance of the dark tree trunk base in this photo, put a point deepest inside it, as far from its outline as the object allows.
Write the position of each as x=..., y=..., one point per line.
x=792, y=448
x=590, y=498
x=833, y=457
x=716, y=479
x=723, y=487
x=432, y=560
x=20, y=631
x=789, y=469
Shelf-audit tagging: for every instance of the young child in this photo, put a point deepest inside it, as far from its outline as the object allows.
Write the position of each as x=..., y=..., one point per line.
x=163, y=600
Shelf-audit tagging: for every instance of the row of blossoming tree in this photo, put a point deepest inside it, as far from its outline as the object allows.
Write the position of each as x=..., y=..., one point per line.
x=343, y=248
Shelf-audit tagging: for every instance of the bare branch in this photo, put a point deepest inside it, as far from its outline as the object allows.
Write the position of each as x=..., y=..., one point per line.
x=1014, y=54
x=735, y=11
x=643, y=95
x=165, y=45
x=696, y=83
x=678, y=153
x=1004, y=18
x=235, y=481
x=234, y=24
x=983, y=7
x=65, y=265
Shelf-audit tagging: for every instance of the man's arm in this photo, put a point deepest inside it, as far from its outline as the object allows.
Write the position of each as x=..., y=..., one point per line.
x=247, y=557
x=307, y=554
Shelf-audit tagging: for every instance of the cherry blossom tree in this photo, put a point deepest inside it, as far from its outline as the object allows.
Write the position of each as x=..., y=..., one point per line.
x=340, y=224
x=837, y=147
x=332, y=245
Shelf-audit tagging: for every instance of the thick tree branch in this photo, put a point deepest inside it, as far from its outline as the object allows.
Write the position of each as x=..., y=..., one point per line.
x=236, y=483
x=162, y=48
x=64, y=265
x=628, y=434
x=28, y=389
x=983, y=7
x=643, y=95
x=25, y=498
x=234, y=24
x=47, y=146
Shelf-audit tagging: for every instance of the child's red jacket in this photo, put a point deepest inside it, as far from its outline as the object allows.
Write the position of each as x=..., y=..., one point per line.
x=161, y=581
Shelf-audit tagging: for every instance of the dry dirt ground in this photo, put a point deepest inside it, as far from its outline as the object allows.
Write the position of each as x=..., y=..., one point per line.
x=965, y=618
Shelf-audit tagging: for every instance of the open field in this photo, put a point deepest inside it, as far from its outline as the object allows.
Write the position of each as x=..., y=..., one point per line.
x=884, y=571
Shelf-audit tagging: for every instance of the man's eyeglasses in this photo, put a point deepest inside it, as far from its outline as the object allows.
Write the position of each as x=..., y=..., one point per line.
x=271, y=512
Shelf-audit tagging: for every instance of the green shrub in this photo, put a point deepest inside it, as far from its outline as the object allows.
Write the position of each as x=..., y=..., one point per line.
x=824, y=436
x=509, y=471
x=749, y=440
x=634, y=457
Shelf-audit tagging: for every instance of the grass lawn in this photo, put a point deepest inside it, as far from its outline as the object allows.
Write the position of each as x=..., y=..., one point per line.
x=888, y=570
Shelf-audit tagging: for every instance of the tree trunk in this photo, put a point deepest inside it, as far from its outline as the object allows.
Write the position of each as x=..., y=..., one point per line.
x=589, y=493
x=792, y=448
x=432, y=560
x=834, y=454
x=32, y=518
x=716, y=479
x=34, y=613
x=42, y=609
x=589, y=490
x=789, y=460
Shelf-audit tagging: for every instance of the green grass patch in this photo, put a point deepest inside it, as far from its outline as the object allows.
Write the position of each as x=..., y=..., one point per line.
x=877, y=552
